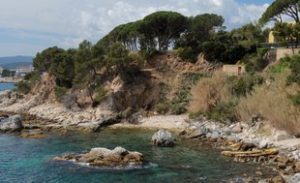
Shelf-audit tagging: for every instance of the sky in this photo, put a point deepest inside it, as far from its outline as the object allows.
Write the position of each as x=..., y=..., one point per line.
x=29, y=26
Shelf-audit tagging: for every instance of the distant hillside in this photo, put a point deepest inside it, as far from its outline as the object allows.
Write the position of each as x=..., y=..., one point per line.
x=15, y=61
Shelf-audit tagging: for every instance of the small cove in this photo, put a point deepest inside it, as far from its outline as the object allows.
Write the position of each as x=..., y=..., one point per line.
x=29, y=160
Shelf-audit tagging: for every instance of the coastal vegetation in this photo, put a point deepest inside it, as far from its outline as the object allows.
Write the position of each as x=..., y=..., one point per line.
x=130, y=51
x=236, y=94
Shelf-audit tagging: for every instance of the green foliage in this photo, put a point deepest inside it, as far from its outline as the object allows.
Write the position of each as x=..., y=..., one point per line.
x=62, y=69
x=223, y=112
x=296, y=99
x=279, y=68
x=57, y=62
x=8, y=73
x=118, y=56
x=42, y=62
x=293, y=63
x=227, y=48
x=205, y=23
x=100, y=94
x=29, y=81
x=279, y=8
x=216, y=51
x=60, y=92
x=256, y=62
x=187, y=54
x=23, y=87
x=180, y=102
x=32, y=77
x=244, y=85
x=287, y=33
x=195, y=115
x=163, y=107
x=248, y=35
x=295, y=70
x=200, y=29
x=212, y=50
x=163, y=26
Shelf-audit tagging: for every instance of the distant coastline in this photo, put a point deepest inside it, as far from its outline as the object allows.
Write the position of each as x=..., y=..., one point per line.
x=10, y=80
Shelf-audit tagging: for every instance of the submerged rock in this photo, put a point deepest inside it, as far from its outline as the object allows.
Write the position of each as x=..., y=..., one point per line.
x=106, y=158
x=34, y=134
x=11, y=124
x=163, y=138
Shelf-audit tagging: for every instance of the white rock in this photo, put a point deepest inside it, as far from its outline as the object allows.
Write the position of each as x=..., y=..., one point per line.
x=163, y=138
x=295, y=178
x=13, y=123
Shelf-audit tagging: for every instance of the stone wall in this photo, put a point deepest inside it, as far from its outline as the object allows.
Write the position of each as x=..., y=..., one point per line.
x=282, y=52
x=234, y=69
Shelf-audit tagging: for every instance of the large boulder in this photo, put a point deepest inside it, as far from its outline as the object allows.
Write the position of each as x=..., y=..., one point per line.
x=106, y=158
x=11, y=124
x=163, y=138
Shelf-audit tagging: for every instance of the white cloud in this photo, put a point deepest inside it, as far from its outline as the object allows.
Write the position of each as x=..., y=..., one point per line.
x=92, y=19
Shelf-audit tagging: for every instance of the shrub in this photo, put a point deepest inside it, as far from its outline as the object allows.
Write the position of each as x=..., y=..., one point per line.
x=244, y=85
x=180, y=102
x=296, y=99
x=29, y=81
x=271, y=101
x=256, y=61
x=187, y=54
x=279, y=68
x=100, y=94
x=217, y=96
x=60, y=92
x=163, y=107
x=23, y=87
x=295, y=70
x=223, y=112
x=209, y=92
x=33, y=77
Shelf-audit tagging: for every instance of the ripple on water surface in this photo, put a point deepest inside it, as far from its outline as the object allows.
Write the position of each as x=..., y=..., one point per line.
x=29, y=160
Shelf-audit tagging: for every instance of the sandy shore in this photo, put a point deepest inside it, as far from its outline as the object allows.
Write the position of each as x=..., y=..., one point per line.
x=169, y=122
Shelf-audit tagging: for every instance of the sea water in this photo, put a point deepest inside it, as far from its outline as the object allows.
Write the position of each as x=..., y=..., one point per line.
x=30, y=160
x=7, y=86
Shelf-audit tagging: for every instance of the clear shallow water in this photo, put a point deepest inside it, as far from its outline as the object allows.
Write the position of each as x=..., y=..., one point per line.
x=6, y=86
x=29, y=160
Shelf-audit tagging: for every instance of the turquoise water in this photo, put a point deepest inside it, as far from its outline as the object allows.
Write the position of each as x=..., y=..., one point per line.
x=29, y=160
x=7, y=86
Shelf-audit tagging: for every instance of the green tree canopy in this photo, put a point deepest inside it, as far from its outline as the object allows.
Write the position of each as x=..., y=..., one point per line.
x=281, y=7
x=287, y=33
x=8, y=73
x=204, y=25
x=163, y=26
x=42, y=62
x=62, y=68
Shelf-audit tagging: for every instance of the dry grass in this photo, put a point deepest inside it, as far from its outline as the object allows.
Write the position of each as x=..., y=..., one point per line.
x=272, y=102
x=209, y=92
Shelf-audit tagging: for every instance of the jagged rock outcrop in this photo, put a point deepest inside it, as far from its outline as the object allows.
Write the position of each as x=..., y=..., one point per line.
x=106, y=158
x=11, y=124
x=96, y=126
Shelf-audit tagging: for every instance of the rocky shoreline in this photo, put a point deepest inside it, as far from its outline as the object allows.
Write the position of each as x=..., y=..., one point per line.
x=255, y=139
x=258, y=142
